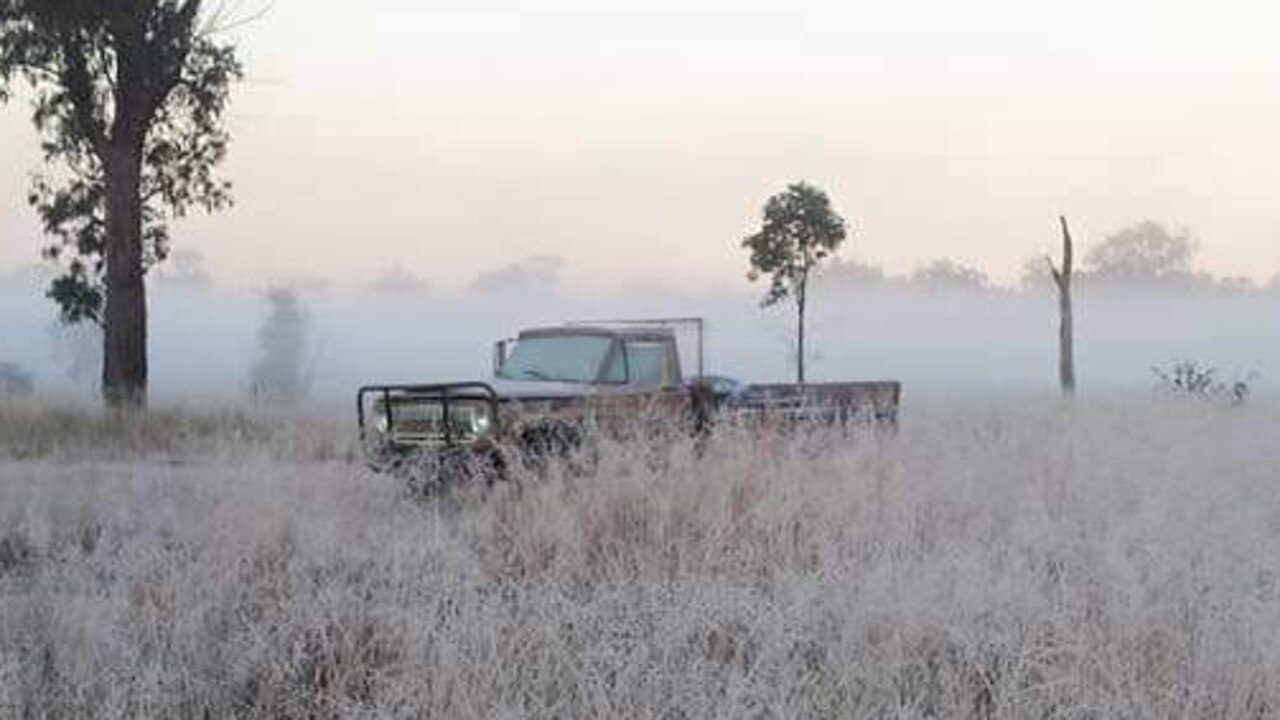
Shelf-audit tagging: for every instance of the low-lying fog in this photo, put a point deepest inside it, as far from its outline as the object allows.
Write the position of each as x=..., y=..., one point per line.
x=205, y=334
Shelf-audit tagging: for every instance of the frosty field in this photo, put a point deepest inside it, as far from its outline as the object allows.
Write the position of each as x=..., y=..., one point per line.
x=1002, y=559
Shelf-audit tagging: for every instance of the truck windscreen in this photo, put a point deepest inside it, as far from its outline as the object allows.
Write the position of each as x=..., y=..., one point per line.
x=565, y=358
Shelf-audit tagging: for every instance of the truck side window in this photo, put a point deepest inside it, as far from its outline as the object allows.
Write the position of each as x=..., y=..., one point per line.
x=648, y=361
x=616, y=370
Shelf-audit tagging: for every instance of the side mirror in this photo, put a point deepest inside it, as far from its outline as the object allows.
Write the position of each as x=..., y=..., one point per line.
x=501, y=351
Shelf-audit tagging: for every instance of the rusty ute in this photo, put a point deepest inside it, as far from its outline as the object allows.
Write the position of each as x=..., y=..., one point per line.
x=554, y=388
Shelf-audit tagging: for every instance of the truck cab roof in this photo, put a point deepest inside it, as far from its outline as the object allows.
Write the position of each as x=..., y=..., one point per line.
x=638, y=333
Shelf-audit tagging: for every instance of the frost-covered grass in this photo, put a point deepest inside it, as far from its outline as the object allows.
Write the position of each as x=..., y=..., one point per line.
x=1107, y=560
x=72, y=432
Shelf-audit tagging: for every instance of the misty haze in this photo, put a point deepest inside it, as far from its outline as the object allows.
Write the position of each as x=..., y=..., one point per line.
x=643, y=360
x=944, y=336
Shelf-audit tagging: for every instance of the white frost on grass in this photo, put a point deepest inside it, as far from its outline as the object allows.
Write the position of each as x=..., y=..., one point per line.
x=1001, y=560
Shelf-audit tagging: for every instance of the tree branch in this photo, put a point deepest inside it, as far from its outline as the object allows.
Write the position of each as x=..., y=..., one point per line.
x=75, y=78
x=1067, y=250
x=166, y=55
x=1053, y=271
x=220, y=21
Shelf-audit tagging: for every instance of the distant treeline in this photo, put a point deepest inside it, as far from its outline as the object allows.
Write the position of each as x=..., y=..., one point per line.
x=1146, y=255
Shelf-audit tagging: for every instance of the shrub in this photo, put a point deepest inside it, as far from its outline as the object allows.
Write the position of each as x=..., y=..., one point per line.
x=279, y=376
x=1191, y=379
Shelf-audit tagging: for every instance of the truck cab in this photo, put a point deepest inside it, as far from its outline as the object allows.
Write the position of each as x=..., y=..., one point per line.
x=547, y=376
x=609, y=358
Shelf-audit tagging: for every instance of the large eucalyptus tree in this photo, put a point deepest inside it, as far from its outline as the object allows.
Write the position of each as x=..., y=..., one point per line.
x=128, y=99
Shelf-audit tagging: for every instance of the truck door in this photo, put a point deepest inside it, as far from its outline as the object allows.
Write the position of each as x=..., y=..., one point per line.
x=647, y=361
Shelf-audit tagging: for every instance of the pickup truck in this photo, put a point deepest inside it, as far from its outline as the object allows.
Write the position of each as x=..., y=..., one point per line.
x=554, y=387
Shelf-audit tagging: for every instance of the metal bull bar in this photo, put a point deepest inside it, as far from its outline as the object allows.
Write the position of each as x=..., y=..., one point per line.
x=443, y=393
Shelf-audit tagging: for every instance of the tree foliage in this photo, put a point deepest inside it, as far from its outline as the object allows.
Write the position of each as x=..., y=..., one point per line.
x=140, y=75
x=800, y=229
x=1145, y=252
x=947, y=274
x=853, y=274
x=534, y=275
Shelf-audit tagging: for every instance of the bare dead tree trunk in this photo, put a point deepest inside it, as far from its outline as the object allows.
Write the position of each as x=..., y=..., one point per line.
x=1066, y=339
x=802, y=292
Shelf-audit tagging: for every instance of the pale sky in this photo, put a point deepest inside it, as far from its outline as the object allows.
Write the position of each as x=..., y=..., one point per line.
x=640, y=138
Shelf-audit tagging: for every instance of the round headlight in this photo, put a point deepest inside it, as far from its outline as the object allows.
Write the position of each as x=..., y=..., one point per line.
x=381, y=423
x=481, y=422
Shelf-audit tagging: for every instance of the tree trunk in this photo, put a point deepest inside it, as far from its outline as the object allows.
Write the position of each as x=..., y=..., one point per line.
x=1066, y=349
x=802, y=292
x=124, y=366
x=1066, y=331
